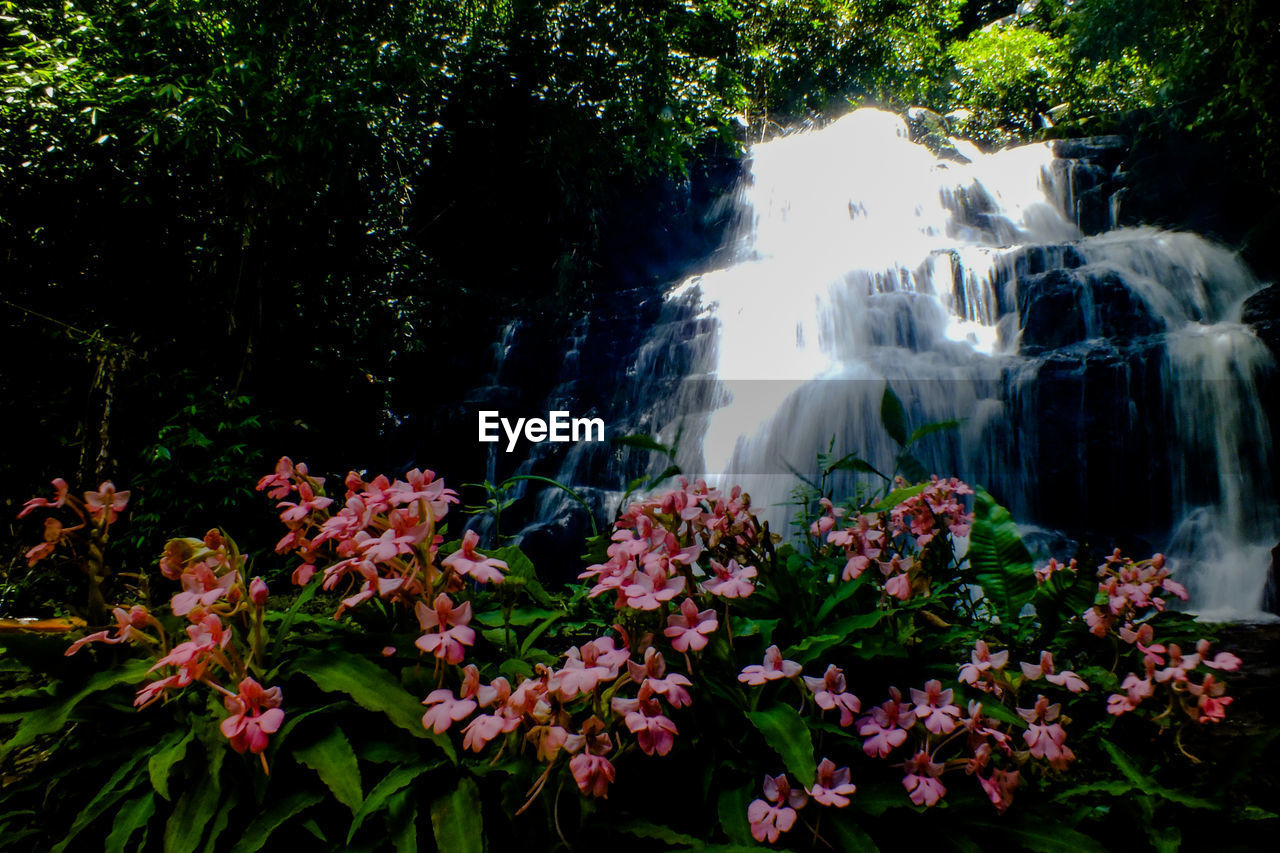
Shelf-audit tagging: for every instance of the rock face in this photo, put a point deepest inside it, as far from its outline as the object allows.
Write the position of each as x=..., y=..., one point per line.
x=1063, y=307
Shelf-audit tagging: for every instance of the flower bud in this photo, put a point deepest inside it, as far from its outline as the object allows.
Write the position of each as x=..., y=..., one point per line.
x=258, y=591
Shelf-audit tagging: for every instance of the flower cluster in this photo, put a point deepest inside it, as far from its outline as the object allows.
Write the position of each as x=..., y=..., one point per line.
x=657, y=544
x=1129, y=594
x=892, y=540
x=98, y=511
x=587, y=689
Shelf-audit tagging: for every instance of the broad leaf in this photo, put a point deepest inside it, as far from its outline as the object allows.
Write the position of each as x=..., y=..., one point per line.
x=258, y=833
x=785, y=731
x=162, y=762
x=51, y=718
x=371, y=687
x=897, y=496
x=335, y=763
x=893, y=415
x=131, y=817
x=456, y=819
x=999, y=560
x=390, y=784
x=196, y=809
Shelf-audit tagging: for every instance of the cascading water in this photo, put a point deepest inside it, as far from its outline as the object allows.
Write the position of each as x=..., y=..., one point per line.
x=1104, y=383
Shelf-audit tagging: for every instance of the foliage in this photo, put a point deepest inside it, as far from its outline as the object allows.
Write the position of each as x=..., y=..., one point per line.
x=702, y=654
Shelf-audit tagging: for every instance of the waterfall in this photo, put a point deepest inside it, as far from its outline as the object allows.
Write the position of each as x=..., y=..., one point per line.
x=1104, y=383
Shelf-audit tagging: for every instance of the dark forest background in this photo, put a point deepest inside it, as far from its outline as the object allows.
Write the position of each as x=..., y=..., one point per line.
x=232, y=230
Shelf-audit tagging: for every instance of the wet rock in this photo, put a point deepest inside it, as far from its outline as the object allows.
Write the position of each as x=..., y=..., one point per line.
x=1271, y=593
x=1262, y=313
x=1063, y=307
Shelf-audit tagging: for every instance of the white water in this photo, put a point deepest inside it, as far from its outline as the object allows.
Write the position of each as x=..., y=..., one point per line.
x=863, y=258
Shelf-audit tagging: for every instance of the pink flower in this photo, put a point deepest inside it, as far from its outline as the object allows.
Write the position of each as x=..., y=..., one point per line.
x=832, y=786
x=1046, y=738
x=127, y=625
x=653, y=674
x=935, y=709
x=468, y=561
x=773, y=668
x=829, y=692
x=732, y=581
x=649, y=588
x=208, y=637
x=921, y=780
x=689, y=628
x=590, y=769
x=200, y=586
x=308, y=502
x=445, y=709
x=1224, y=661
x=776, y=813
x=982, y=666
x=449, y=625
x=106, y=500
x=60, y=499
x=255, y=713
x=886, y=726
x=1066, y=679
x=643, y=716
x=280, y=483
x=593, y=773
x=1211, y=704
x=999, y=788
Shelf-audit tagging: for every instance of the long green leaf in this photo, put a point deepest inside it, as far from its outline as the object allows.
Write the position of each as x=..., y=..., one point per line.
x=162, y=762
x=402, y=818
x=308, y=592
x=393, y=782
x=195, y=810
x=893, y=415
x=371, y=687
x=123, y=781
x=1041, y=837
x=335, y=763
x=851, y=838
x=132, y=816
x=456, y=819
x=785, y=731
x=258, y=833
x=999, y=560
x=51, y=718
x=897, y=496
x=930, y=429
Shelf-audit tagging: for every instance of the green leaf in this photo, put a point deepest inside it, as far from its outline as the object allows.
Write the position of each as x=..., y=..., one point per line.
x=258, y=833
x=335, y=763
x=51, y=718
x=1000, y=562
x=225, y=809
x=911, y=468
x=393, y=782
x=851, y=838
x=131, y=817
x=538, y=632
x=112, y=791
x=1041, y=837
x=665, y=834
x=456, y=819
x=812, y=646
x=1148, y=785
x=844, y=590
x=308, y=592
x=372, y=688
x=520, y=617
x=930, y=429
x=641, y=442
x=402, y=818
x=853, y=462
x=893, y=416
x=520, y=566
x=897, y=496
x=195, y=810
x=162, y=762
x=787, y=734
x=731, y=806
